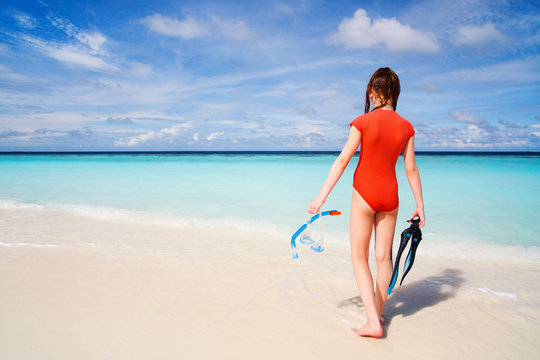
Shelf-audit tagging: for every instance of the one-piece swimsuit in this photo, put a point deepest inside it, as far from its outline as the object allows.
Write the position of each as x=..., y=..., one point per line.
x=383, y=136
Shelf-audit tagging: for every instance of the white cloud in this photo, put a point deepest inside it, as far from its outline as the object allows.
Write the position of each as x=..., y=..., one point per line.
x=84, y=133
x=428, y=87
x=25, y=20
x=82, y=49
x=70, y=54
x=7, y=73
x=477, y=134
x=140, y=69
x=165, y=134
x=517, y=71
x=214, y=135
x=92, y=40
x=233, y=30
x=191, y=28
x=7, y=132
x=119, y=121
x=306, y=110
x=73, y=55
x=473, y=36
x=468, y=118
x=188, y=28
x=361, y=32
x=63, y=24
x=51, y=120
x=196, y=137
x=312, y=139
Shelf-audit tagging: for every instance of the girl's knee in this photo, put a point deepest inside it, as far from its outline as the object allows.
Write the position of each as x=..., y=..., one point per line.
x=359, y=256
x=383, y=257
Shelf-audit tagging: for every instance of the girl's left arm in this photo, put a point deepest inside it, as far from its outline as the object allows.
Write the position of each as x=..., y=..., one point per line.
x=414, y=180
x=339, y=166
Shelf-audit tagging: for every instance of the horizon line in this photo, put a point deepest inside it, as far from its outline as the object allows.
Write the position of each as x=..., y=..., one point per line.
x=268, y=152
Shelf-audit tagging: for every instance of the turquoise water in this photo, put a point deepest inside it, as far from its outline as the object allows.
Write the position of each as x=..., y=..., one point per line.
x=488, y=199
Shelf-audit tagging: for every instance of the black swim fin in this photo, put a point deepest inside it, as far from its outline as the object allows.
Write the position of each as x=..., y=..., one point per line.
x=414, y=234
x=415, y=241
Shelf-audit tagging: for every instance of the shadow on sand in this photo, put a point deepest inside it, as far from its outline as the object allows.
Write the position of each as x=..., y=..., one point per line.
x=413, y=297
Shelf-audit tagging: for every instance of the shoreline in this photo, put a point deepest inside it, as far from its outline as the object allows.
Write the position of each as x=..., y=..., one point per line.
x=435, y=245
x=116, y=290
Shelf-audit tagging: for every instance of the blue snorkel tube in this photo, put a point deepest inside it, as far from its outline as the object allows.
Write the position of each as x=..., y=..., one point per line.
x=308, y=241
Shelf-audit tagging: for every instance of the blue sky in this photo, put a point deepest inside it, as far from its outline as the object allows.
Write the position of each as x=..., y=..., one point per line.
x=264, y=75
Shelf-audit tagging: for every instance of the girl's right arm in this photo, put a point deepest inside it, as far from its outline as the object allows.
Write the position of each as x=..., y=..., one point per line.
x=339, y=166
x=414, y=179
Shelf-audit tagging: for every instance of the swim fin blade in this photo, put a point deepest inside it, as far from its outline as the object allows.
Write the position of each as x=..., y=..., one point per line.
x=405, y=235
x=416, y=238
x=414, y=234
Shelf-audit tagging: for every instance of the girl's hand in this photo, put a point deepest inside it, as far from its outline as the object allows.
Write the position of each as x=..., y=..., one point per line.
x=315, y=206
x=420, y=213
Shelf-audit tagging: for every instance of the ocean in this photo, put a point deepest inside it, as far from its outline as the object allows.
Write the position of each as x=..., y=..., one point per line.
x=476, y=203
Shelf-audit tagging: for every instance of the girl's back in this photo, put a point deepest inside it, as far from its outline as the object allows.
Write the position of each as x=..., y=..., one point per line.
x=383, y=135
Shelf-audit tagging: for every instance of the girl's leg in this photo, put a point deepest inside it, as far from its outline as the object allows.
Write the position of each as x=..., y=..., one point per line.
x=361, y=225
x=385, y=225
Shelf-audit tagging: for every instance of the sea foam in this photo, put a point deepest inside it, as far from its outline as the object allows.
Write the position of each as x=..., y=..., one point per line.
x=433, y=244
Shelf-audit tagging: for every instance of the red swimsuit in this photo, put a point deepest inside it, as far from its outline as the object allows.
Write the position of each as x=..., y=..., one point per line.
x=384, y=135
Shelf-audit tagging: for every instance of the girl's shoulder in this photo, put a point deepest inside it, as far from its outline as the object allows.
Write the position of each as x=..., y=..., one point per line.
x=396, y=116
x=406, y=124
x=360, y=122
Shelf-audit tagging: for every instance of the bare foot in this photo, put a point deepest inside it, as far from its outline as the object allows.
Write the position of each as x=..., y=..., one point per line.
x=370, y=329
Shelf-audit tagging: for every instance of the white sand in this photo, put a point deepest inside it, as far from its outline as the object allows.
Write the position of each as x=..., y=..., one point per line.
x=80, y=288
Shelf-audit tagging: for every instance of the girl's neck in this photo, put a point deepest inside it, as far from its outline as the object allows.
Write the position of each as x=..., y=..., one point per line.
x=377, y=104
x=385, y=107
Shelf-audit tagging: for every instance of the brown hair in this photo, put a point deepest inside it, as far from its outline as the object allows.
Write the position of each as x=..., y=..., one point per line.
x=384, y=84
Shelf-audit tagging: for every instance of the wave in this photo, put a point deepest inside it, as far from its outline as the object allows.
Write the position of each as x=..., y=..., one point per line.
x=460, y=247
x=487, y=290
x=434, y=244
x=8, y=204
x=6, y=244
x=154, y=218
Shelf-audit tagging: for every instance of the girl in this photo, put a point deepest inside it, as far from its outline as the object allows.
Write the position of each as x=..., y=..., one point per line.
x=383, y=135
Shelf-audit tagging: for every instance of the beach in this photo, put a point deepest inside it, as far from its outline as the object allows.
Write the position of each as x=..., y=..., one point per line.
x=74, y=286
x=159, y=159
